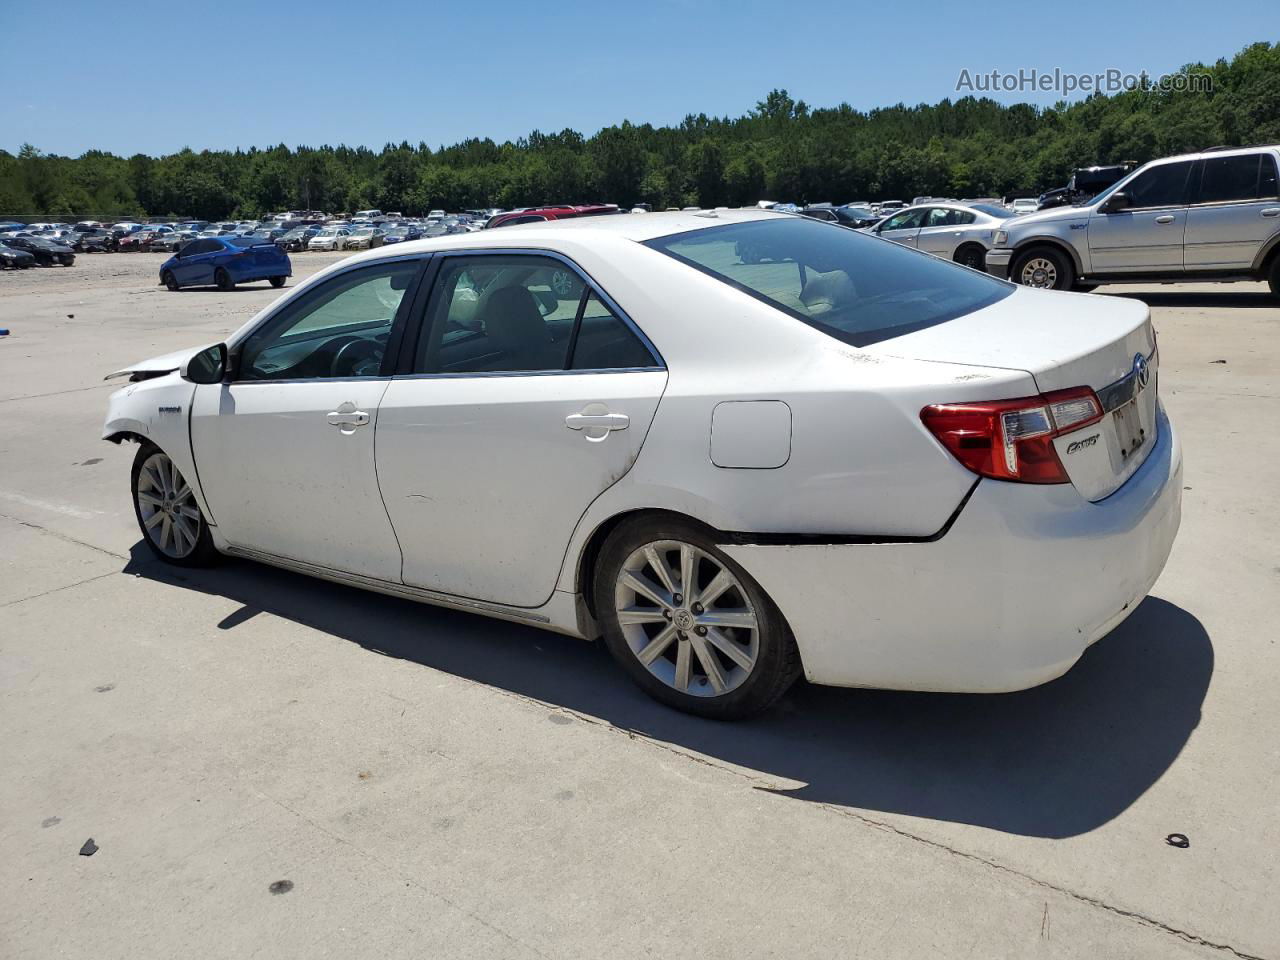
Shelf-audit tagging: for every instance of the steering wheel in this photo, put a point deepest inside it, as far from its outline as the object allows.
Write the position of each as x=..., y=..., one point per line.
x=351, y=354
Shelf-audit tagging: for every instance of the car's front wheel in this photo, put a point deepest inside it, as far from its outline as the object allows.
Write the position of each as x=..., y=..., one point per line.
x=167, y=512
x=1045, y=268
x=688, y=624
x=169, y=280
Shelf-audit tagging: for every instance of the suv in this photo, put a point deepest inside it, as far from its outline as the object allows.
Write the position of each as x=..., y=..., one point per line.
x=1202, y=216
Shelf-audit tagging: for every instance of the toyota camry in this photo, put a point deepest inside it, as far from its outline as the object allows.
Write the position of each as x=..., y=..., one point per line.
x=738, y=446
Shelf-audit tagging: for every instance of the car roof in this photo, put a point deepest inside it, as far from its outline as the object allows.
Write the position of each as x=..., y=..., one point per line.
x=1216, y=152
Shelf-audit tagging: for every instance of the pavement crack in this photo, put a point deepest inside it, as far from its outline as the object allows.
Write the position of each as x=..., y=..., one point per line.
x=69, y=586
x=61, y=536
x=58, y=393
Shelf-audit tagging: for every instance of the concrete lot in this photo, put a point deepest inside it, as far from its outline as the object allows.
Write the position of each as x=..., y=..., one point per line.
x=433, y=784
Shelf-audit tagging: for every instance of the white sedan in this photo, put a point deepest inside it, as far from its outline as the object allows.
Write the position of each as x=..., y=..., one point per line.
x=833, y=456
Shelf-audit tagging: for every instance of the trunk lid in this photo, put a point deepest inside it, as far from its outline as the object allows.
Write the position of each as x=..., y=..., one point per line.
x=1064, y=340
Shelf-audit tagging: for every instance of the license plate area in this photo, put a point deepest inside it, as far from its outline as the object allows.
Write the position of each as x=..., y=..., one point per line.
x=1129, y=430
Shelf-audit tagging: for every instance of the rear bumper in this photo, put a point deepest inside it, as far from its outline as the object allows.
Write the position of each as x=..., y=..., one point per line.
x=998, y=263
x=1025, y=580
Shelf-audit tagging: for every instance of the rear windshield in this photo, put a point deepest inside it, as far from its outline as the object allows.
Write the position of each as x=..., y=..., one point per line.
x=856, y=288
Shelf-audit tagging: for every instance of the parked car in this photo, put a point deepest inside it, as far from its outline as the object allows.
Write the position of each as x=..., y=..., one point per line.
x=856, y=216
x=363, y=239
x=1213, y=215
x=402, y=234
x=889, y=206
x=296, y=239
x=952, y=231
x=930, y=415
x=14, y=258
x=330, y=238
x=226, y=261
x=46, y=252
x=539, y=214
x=141, y=239
x=1025, y=205
x=101, y=240
x=171, y=242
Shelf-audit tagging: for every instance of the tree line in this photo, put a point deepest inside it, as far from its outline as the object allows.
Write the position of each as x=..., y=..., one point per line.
x=784, y=149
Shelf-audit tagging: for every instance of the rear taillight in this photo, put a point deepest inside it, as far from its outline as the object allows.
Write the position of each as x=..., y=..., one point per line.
x=1013, y=439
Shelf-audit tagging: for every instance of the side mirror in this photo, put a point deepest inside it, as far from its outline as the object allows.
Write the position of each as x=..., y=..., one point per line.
x=1116, y=202
x=207, y=366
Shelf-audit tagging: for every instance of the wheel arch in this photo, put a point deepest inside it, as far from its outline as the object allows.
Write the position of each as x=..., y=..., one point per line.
x=1048, y=241
x=1268, y=254
x=584, y=568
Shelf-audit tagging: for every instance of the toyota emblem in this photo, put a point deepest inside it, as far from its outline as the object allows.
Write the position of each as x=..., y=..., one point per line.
x=1141, y=371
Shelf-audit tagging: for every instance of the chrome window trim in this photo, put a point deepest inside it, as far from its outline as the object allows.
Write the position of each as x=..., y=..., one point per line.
x=469, y=375
x=587, y=279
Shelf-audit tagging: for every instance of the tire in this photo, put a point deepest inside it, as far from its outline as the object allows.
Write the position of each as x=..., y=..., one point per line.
x=752, y=663
x=1273, y=276
x=277, y=282
x=170, y=281
x=223, y=279
x=1045, y=268
x=972, y=256
x=180, y=536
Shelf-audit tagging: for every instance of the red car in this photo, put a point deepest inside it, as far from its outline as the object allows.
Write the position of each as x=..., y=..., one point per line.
x=551, y=213
x=138, y=240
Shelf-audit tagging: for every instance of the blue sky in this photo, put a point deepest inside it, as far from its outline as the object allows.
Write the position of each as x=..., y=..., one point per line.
x=155, y=77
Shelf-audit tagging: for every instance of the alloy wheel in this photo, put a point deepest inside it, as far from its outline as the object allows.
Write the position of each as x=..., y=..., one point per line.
x=1039, y=272
x=167, y=507
x=686, y=618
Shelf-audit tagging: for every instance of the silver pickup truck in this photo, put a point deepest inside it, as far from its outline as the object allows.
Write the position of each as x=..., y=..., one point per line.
x=1201, y=216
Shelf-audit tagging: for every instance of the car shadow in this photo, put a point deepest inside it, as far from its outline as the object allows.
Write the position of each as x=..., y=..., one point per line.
x=1056, y=761
x=1191, y=298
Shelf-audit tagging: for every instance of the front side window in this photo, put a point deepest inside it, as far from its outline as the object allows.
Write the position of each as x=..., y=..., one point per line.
x=340, y=329
x=1226, y=179
x=1162, y=186
x=907, y=220
x=845, y=284
x=520, y=314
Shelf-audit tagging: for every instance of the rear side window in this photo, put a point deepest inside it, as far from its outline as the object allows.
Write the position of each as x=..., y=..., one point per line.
x=1162, y=186
x=1225, y=179
x=855, y=288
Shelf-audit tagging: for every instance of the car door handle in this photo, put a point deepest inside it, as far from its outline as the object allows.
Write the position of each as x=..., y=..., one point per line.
x=1271, y=212
x=606, y=421
x=1167, y=218
x=356, y=418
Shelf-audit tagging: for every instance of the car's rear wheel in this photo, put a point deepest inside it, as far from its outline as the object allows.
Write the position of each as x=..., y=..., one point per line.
x=277, y=282
x=1045, y=268
x=688, y=624
x=167, y=512
x=972, y=255
x=223, y=280
x=1273, y=277
x=169, y=280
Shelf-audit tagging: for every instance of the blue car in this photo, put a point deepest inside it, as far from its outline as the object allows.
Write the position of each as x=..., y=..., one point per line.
x=226, y=261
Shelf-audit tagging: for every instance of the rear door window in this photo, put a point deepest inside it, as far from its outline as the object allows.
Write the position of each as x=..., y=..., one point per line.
x=1229, y=179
